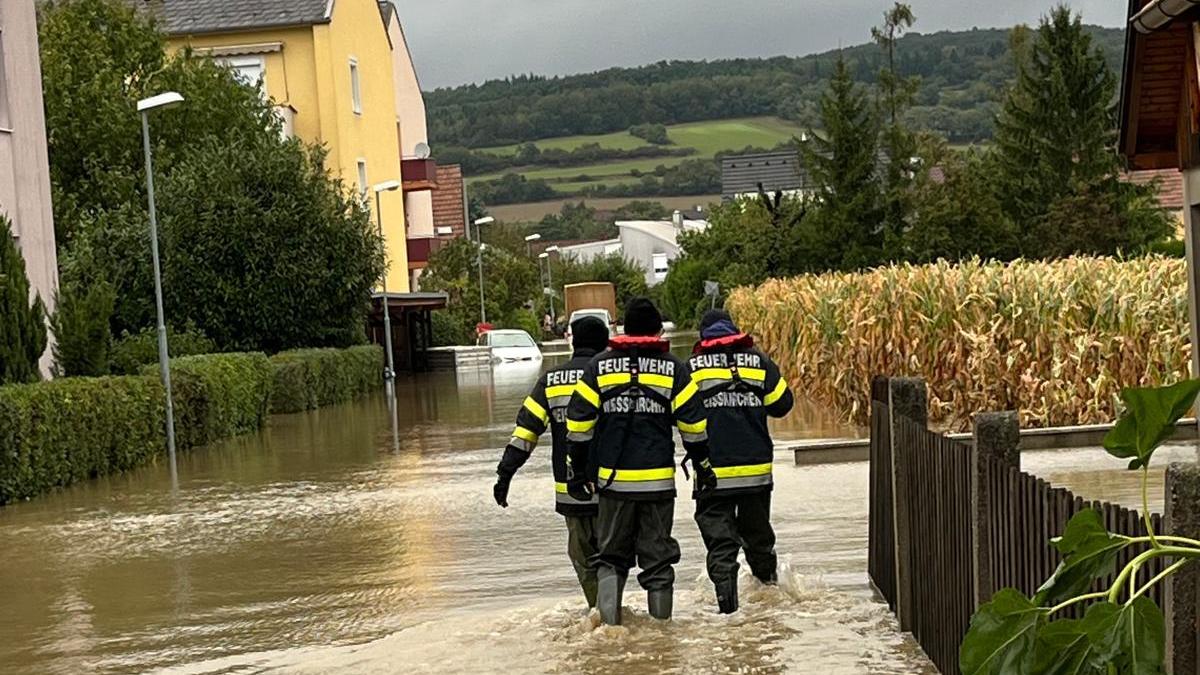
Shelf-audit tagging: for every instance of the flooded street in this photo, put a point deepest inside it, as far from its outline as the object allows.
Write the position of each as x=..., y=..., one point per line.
x=325, y=544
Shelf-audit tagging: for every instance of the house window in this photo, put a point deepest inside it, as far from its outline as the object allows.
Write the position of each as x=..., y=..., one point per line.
x=362, y=178
x=660, y=266
x=249, y=70
x=5, y=121
x=355, y=88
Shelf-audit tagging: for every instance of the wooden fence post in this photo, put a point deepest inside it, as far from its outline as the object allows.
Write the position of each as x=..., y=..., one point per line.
x=1182, y=519
x=907, y=398
x=997, y=437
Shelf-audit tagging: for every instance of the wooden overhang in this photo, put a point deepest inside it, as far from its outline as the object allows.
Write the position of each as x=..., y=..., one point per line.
x=1160, y=89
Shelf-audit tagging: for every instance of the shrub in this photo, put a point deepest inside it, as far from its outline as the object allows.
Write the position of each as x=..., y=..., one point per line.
x=134, y=352
x=219, y=395
x=82, y=340
x=304, y=379
x=22, y=324
x=1055, y=340
x=55, y=433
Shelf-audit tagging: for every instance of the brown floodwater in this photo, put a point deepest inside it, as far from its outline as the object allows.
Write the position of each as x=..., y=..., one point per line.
x=350, y=539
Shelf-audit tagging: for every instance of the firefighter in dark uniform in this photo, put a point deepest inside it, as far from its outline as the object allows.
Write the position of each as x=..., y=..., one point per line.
x=546, y=406
x=620, y=430
x=740, y=387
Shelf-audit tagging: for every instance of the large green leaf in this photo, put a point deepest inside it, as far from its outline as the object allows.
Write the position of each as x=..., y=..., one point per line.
x=1002, y=636
x=1063, y=648
x=1089, y=552
x=1131, y=638
x=1149, y=420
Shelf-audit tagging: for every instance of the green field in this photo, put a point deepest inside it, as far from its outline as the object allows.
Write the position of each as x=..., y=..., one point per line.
x=706, y=138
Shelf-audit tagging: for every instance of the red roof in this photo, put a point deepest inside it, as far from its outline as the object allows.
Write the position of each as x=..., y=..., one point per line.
x=1170, y=185
x=448, y=199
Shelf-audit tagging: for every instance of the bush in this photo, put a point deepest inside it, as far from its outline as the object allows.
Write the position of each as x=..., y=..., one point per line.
x=55, y=433
x=134, y=352
x=304, y=379
x=82, y=340
x=1055, y=340
x=219, y=395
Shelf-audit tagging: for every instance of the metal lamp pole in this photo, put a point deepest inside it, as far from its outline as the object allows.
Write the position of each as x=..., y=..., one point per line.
x=144, y=107
x=390, y=373
x=529, y=243
x=550, y=279
x=486, y=220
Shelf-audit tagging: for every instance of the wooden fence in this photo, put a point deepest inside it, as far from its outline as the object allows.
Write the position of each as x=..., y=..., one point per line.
x=952, y=522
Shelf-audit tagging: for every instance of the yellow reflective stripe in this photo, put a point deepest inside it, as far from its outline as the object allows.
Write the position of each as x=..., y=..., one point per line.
x=694, y=428
x=742, y=471
x=776, y=393
x=612, y=379
x=560, y=488
x=684, y=396
x=580, y=426
x=525, y=434
x=587, y=393
x=536, y=408
x=655, y=380
x=752, y=374
x=560, y=390
x=712, y=374
x=638, y=475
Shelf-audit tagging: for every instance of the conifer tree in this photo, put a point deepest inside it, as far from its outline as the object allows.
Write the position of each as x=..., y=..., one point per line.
x=22, y=323
x=1055, y=144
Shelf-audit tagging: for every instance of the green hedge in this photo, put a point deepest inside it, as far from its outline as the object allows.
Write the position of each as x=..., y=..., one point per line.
x=55, y=433
x=305, y=379
x=218, y=395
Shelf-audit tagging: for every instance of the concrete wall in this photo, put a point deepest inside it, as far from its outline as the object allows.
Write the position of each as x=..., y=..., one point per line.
x=24, y=166
x=639, y=247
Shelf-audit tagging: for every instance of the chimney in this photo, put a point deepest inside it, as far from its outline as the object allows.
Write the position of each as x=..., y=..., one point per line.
x=677, y=219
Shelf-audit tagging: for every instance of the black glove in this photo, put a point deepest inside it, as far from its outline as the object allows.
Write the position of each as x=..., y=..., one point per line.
x=500, y=489
x=578, y=485
x=706, y=478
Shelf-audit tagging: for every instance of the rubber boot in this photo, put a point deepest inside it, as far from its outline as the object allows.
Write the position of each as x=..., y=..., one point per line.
x=727, y=595
x=659, y=603
x=771, y=580
x=610, y=586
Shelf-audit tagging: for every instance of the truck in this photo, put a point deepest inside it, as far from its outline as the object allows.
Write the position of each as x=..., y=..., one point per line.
x=595, y=295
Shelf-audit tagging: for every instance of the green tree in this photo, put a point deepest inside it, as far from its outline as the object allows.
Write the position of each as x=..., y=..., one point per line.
x=510, y=286
x=1055, y=140
x=628, y=278
x=82, y=339
x=22, y=323
x=842, y=163
x=896, y=95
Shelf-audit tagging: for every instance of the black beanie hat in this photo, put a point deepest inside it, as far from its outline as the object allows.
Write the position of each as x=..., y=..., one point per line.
x=588, y=332
x=712, y=316
x=642, y=318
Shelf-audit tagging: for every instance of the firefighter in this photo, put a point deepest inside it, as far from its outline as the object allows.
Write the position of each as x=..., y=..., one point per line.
x=546, y=406
x=619, y=426
x=740, y=387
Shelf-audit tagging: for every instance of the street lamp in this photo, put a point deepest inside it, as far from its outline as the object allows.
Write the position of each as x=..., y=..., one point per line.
x=486, y=220
x=529, y=243
x=386, y=186
x=550, y=280
x=144, y=107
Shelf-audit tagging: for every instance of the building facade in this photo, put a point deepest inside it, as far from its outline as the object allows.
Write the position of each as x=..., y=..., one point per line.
x=24, y=165
x=328, y=68
x=649, y=244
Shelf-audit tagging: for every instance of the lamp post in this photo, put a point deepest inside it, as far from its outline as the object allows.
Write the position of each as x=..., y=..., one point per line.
x=529, y=243
x=550, y=280
x=144, y=107
x=387, y=186
x=486, y=220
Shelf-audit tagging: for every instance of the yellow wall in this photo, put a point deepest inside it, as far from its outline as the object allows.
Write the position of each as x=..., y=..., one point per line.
x=312, y=75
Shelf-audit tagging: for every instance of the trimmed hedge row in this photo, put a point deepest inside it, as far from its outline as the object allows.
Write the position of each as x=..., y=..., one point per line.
x=58, y=432
x=310, y=378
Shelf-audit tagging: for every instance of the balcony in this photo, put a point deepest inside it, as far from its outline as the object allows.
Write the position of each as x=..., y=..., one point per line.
x=421, y=248
x=418, y=174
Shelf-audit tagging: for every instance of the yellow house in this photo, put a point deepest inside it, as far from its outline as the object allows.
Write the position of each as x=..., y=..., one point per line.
x=327, y=66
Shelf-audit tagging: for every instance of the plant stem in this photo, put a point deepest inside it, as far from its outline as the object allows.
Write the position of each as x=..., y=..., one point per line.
x=1146, y=507
x=1162, y=537
x=1114, y=592
x=1089, y=596
x=1158, y=577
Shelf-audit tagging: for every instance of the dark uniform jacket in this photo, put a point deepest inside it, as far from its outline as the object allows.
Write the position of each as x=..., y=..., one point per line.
x=546, y=406
x=622, y=413
x=740, y=387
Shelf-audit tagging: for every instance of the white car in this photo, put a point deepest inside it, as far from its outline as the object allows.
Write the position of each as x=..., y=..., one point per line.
x=509, y=346
x=598, y=312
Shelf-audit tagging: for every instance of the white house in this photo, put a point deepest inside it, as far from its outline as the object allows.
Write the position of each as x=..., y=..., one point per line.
x=651, y=244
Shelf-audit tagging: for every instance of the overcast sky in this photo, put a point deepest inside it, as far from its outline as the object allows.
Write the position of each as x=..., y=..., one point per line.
x=459, y=41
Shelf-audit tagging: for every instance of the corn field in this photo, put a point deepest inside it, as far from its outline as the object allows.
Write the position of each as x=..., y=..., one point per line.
x=1055, y=340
